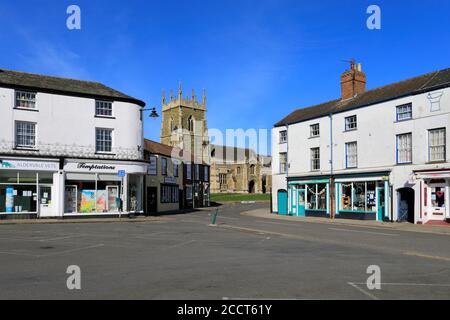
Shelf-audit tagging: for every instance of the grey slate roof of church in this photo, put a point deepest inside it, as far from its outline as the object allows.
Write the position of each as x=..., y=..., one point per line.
x=424, y=83
x=66, y=86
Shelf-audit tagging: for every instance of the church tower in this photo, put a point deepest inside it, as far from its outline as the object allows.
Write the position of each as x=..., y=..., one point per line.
x=184, y=124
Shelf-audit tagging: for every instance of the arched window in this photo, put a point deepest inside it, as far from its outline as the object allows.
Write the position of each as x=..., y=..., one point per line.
x=191, y=124
x=252, y=169
x=238, y=170
x=213, y=153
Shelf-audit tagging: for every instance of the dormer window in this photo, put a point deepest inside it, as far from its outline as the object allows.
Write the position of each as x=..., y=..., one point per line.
x=103, y=108
x=25, y=100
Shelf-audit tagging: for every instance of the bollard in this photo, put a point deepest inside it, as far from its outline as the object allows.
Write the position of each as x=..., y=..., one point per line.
x=214, y=217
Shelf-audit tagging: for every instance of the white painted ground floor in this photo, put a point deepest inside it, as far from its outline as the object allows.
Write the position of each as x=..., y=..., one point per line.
x=416, y=194
x=40, y=187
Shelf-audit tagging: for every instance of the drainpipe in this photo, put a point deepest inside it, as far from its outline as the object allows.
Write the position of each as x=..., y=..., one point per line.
x=332, y=184
x=287, y=168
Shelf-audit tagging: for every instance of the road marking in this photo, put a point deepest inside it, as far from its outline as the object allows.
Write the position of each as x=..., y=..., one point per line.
x=180, y=244
x=410, y=284
x=421, y=255
x=18, y=254
x=58, y=238
x=71, y=250
x=369, y=232
x=371, y=296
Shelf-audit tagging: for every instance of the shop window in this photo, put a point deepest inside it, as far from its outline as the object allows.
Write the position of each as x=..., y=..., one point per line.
x=316, y=196
x=358, y=196
x=197, y=172
x=189, y=192
x=45, y=178
x=9, y=177
x=206, y=176
x=18, y=198
x=438, y=197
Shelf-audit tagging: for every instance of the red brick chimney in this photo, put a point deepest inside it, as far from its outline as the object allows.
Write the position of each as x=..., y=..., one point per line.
x=353, y=81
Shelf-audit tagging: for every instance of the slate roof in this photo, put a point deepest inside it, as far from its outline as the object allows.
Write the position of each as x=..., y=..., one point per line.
x=237, y=155
x=424, y=83
x=66, y=86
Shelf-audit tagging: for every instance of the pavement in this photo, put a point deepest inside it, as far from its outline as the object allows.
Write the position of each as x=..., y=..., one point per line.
x=243, y=257
x=436, y=229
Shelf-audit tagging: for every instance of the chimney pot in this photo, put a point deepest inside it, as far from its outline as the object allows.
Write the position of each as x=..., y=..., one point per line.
x=353, y=81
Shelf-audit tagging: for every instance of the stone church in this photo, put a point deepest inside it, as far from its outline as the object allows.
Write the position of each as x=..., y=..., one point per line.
x=239, y=170
x=232, y=170
x=184, y=125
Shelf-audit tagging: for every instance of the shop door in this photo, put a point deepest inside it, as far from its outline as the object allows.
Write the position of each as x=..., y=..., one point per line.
x=45, y=201
x=152, y=200
x=282, y=202
x=381, y=204
x=301, y=203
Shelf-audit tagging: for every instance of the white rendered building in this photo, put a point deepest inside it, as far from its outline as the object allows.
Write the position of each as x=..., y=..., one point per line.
x=68, y=148
x=379, y=154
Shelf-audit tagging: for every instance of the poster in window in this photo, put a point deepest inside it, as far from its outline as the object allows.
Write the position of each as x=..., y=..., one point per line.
x=87, y=204
x=9, y=200
x=113, y=199
x=371, y=200
x=101, y=200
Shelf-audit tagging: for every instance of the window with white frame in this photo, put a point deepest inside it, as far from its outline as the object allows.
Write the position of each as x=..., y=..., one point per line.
x=315, y=130
x=437, y=147
x=351, y=123
x=315, y=159
x=404, y=148
x=103, y=140
x=351, y=153
x=103, y=108
x=25, y=134
x=164, y=166
x=26, y=99
x=404, y=112
x=283, y=162
x=283, y=136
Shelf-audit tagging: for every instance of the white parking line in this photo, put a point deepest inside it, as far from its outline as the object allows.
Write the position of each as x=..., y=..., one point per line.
x=70, y=251
x=369, y=232
x=410, y=284
x=371, y=296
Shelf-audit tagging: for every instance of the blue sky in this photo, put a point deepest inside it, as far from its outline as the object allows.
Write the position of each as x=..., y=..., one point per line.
x=258, y=60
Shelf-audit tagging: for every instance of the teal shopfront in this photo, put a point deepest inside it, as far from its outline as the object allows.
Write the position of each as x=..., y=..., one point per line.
x=364, y=198
x=309, y=198
x=357, y=196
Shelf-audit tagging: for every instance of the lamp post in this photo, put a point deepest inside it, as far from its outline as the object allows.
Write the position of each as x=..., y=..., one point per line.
x=153, y=115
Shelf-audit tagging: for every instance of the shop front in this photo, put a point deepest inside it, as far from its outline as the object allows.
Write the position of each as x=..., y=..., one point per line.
x=363, y=198
x=434, y=195
x=28, y=188
x=100, y=188
x=309, y=198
